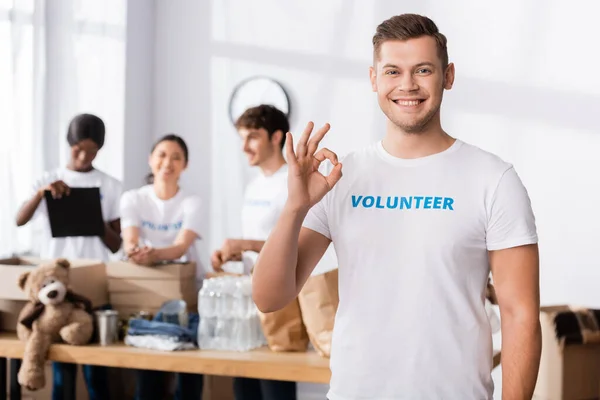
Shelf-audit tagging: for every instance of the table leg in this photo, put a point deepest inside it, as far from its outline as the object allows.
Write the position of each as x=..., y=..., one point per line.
x=15, y=387
x=69, y=375
x=3, y=371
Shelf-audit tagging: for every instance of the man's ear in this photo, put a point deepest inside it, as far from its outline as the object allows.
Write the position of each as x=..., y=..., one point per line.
x=373, y=78
x=23, y=280
x=277, y=137
x=63, y=262
x=449, y=74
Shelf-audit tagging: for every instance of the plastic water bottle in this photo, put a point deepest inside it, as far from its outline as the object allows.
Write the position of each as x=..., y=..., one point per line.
x=228, y=316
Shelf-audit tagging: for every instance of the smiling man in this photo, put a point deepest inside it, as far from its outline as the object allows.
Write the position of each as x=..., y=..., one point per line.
x=417, y=221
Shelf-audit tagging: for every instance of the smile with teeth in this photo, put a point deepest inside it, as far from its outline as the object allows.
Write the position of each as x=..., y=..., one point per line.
x=408, y=103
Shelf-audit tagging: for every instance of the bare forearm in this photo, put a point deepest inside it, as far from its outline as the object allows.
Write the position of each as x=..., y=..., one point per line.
x=170, y=253
x=111, y=239
x=521, y=351
x=28, y=209
x=253, y=245
x=274, y=282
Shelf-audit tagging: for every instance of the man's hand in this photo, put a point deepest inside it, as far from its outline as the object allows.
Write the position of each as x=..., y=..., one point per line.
x=216, y=261
x=306, y=185
x=231, y=250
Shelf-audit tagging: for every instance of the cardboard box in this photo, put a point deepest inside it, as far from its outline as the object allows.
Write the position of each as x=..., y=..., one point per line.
x=567, y=372
x=134, y=288
x=87, y=278
x=149, y=299
x=125, y=312
x=140, y=285
x=125, y=269
x=9, y=314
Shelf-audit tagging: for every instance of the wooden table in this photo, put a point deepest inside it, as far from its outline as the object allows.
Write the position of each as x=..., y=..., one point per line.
x=260, y=363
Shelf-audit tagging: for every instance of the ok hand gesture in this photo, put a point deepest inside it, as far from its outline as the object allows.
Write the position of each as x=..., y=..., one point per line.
x=306, y=185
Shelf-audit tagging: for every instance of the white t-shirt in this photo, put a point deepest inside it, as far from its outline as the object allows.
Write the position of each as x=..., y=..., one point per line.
x=412, y=238
x=78, y=247
x=160, y=221
x=264, y=199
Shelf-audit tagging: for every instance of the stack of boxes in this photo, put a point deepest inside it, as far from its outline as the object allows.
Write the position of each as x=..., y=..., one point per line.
x=134, y=288
x=567, y=371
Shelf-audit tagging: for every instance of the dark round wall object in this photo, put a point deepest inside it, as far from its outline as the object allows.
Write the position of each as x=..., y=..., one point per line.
x=255, y=91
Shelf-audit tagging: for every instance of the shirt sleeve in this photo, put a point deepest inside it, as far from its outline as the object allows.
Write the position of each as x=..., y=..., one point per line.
x=317, y=220
x=511, y=221
x=46, y=179
x=128, y=210
x=192, y=216
x=114, y=209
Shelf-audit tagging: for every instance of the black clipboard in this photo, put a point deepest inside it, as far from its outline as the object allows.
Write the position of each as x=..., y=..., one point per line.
x=78, y=214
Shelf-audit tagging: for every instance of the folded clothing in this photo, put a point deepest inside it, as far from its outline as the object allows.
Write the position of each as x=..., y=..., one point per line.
x=158, y=342
x=579, y=326
x=158, y=328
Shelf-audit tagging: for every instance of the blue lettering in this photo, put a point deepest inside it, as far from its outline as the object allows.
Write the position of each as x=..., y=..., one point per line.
x=162, y=227
x=428, y=200
x=448, y=203
x=378, y=202
x=395, y=202
x=418, y=198
x=404, y=203
x=356, y=201
x=371, y=201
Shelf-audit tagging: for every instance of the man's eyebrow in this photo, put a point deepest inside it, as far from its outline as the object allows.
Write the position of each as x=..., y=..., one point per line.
x=421, y=64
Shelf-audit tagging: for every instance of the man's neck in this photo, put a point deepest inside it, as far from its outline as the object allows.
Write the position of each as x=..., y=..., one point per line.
x=166, y=190
x=272, y=165
x=405, y=145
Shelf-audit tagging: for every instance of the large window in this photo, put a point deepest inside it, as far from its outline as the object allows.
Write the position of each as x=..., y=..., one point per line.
x=57, y=59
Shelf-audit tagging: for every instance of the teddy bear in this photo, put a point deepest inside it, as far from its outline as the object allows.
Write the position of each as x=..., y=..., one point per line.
x=53, y=314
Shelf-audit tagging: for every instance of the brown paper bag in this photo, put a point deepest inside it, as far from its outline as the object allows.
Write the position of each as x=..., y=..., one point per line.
x=319, y=300
x=284, y=329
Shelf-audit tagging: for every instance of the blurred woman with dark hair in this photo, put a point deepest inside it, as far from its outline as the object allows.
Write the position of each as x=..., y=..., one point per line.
x=161, y=222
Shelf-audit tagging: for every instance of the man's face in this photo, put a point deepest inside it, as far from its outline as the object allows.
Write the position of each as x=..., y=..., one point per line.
x=257, y=146
x=409, y=80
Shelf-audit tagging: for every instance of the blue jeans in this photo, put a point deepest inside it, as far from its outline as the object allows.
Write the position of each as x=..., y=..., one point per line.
x=96, y=379
x=151, y=385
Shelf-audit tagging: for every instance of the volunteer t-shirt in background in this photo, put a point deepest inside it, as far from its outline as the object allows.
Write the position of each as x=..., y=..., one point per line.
x=160, y=221
x=264, y=199
x=78, y=247
x=412, y=238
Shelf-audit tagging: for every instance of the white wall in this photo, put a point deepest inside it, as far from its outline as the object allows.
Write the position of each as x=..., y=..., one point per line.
x=181, y=98
x=139, y=91
x=526, y=89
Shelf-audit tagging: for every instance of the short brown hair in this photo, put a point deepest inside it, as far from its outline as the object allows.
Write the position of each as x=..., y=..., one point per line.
x=265, y=117
x=410, y=26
